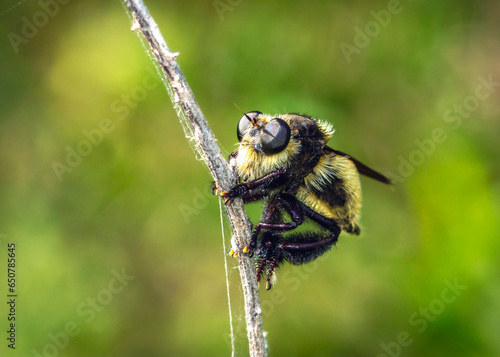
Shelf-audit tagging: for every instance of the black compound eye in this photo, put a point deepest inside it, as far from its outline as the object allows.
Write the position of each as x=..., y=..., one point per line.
x=275, y=136
x=245, y=123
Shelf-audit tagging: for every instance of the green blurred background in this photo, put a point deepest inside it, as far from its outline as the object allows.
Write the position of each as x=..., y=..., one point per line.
x=407, y=98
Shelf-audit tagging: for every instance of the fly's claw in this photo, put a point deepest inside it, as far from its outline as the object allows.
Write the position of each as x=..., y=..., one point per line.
x=236, y=191
x=248, y=250
x=215, y=189
x=227, y=196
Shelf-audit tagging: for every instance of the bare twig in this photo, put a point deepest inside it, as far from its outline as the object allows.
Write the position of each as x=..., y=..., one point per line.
x=187, y=107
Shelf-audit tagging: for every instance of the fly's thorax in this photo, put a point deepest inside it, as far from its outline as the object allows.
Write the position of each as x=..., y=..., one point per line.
x=309, y=128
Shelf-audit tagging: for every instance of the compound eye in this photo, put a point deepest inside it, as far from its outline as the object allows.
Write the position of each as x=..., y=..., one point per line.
x=275, y=136
x=245, y=123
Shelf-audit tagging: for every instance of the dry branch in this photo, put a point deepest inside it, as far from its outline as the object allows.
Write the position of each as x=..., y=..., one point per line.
x=186, y=105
